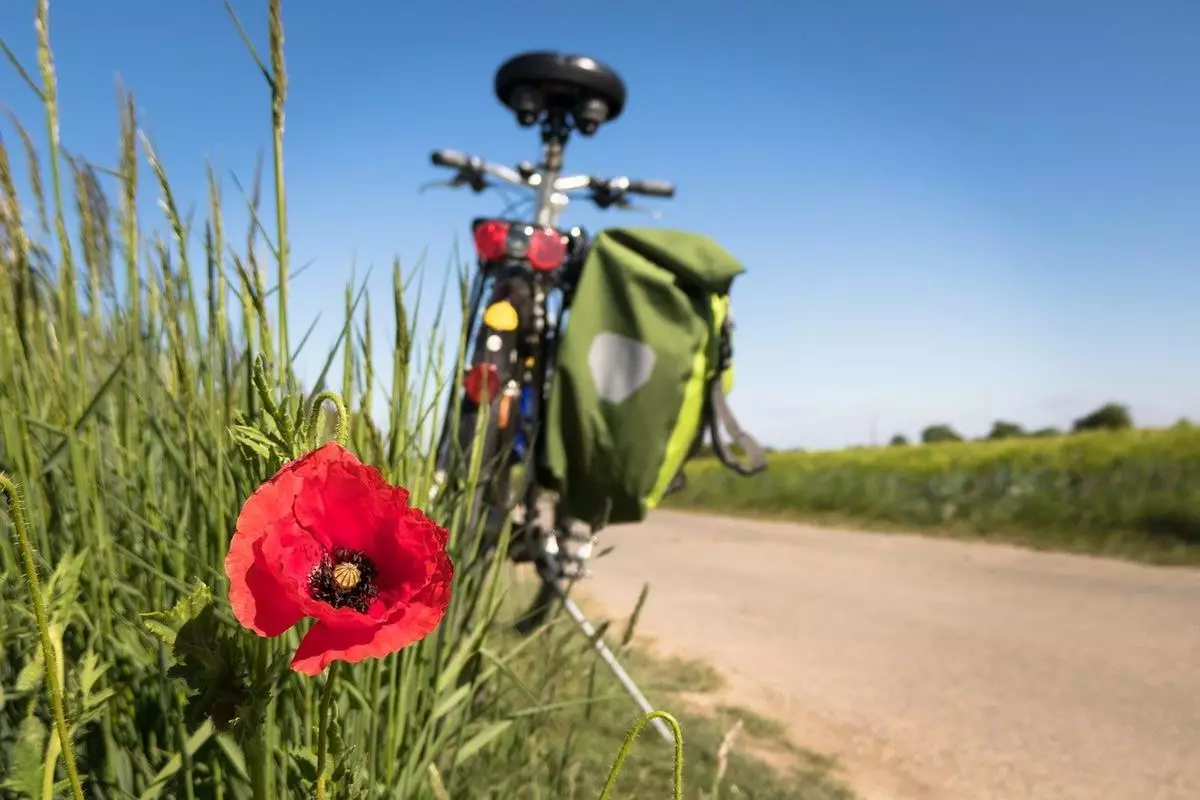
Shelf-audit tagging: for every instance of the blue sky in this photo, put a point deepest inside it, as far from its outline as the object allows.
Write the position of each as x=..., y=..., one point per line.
x=950, y=212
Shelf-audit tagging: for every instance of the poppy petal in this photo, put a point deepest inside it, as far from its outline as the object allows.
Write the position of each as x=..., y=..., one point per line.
x=345, y=503
x=317, y=463
x=254, y=592
x=403, y=546
x=291, y=554
x=325, y=643
x=271, y=502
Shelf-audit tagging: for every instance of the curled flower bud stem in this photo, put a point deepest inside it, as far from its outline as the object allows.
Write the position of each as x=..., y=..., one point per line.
x=342, y=432
x=609, y=784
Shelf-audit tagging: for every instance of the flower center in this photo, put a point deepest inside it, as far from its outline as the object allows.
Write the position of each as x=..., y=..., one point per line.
x=344, y=578
x=346, y=575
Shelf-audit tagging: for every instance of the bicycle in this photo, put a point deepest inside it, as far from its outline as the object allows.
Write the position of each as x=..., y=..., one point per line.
x=522, y=266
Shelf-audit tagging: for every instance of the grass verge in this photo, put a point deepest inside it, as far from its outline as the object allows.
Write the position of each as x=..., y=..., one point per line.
x=729, y=752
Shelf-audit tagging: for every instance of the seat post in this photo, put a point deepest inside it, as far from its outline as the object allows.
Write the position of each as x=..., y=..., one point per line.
x=554, y=140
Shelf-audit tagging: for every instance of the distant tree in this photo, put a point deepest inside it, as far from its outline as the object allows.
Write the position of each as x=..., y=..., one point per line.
x=939, y=433
x=899, y=440
x=1110, y=416
x=1003, y=429
x=1046, y=433
x=1183, y=423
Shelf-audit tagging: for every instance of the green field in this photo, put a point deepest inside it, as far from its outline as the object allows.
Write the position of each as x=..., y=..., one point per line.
x=1126, y=493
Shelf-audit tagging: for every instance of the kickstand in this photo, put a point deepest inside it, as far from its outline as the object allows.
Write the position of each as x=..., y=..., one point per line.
x=610, y=658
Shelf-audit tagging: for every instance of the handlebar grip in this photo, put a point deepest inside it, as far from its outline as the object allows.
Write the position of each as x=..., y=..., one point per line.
x=449, y=158
x=652, y=188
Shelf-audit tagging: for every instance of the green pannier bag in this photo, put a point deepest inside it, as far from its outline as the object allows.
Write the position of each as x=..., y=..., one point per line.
x=643, y=369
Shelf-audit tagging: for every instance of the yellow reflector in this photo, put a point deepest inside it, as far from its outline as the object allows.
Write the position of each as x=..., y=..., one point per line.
x=501, y=316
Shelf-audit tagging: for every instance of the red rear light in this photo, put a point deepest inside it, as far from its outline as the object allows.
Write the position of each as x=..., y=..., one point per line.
x=491, y=240
x=546, y=249
x=474, y=380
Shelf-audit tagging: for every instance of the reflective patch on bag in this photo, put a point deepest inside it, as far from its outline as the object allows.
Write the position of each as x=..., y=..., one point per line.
x=620, y=365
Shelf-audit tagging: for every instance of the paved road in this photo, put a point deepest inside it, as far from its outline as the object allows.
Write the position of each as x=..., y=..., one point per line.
x=934, y=669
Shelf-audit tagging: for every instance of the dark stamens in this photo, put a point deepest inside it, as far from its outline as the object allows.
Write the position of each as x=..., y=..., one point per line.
x=344, y=578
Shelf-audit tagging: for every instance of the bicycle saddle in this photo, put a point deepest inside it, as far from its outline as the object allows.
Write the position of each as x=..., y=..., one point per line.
x=545, y=81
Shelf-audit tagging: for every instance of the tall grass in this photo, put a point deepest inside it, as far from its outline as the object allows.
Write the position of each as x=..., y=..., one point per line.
x=1134, y=493
x=119, y=401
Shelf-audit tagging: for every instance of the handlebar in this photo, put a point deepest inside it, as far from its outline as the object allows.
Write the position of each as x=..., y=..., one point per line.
x=450, y=158
x=652, y=188
x=476, y=166
x=604, y=190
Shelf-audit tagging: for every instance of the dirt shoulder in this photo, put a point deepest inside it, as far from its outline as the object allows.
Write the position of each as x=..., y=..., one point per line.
x=932, y=669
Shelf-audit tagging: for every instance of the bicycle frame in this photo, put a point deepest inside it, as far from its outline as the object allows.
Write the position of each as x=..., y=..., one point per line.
x=536, y=343
x=529, y=357
x=538, y=336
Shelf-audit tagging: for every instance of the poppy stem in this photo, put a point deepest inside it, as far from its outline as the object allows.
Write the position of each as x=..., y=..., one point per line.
x=256, y=764
x=323, y=734
x=259, y=758
x=16, y=512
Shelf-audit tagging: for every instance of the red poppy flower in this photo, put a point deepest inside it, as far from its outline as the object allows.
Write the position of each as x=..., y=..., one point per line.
x=328, y=538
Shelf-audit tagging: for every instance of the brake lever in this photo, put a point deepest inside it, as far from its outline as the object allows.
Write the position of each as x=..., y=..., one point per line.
x=464, y=178
x=475, y=186
x=625, y=205
x=424, y=187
